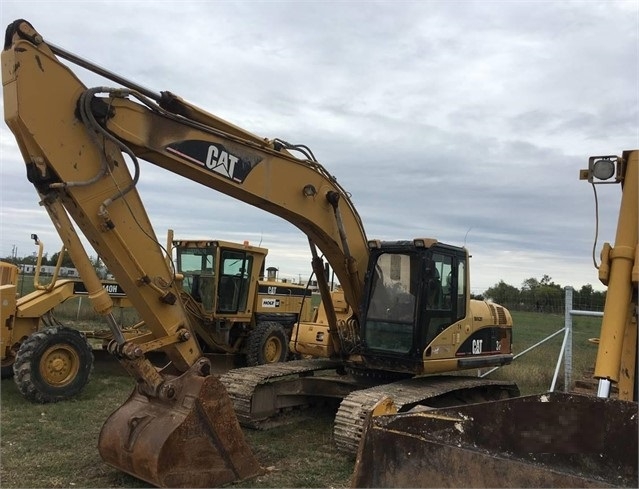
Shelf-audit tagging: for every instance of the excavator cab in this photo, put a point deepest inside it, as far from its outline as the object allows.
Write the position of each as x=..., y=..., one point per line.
x=417, y=299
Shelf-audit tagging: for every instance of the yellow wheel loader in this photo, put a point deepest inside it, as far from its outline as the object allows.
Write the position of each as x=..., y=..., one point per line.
x=405, y=320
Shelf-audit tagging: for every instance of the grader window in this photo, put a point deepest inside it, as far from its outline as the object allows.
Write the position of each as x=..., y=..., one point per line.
x=197, y=265
x=234, y=282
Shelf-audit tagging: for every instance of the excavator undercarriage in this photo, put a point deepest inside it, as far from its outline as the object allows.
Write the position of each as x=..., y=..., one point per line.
x=270, y=395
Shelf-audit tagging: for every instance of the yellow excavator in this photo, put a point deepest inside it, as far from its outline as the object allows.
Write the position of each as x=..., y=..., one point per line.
x=402, y=319
x=550, y=440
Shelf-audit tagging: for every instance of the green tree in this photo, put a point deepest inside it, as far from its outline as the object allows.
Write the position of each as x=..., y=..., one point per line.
x=504, y=294
x=530, y=284
x=28, y=260
x=552, y=296
x=588, y=299
x=66, y=260
x=542, y=295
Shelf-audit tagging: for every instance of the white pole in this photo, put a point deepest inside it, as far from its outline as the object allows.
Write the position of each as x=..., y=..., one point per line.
x=568, y=350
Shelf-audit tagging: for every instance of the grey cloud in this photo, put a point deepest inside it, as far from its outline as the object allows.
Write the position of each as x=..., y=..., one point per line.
x=463, y=121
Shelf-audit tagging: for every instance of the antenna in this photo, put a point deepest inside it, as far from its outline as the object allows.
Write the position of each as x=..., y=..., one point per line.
x=466, y=235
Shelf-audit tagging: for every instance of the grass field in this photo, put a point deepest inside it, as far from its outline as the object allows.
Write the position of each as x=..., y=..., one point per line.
x=54, y=445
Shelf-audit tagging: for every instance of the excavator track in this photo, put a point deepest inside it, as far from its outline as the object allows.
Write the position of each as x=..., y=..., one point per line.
x=353, y=411
x=245, y=384
x=261, y=394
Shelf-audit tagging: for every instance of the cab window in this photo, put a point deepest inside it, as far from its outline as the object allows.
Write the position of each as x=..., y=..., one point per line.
x=235, y=269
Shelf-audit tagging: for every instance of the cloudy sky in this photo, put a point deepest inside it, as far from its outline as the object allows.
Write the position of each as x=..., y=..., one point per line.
x=461, y=120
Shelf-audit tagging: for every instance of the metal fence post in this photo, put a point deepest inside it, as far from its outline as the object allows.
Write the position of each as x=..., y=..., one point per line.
x=566, y=345
x=568, y=352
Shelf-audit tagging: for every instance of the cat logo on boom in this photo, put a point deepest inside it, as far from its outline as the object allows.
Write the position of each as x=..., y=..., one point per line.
x=216, y=158
x=220, y=161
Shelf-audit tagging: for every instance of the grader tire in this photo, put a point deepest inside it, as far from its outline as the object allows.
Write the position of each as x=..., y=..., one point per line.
x=53, y=365
x=6, y=370
x=267, y=343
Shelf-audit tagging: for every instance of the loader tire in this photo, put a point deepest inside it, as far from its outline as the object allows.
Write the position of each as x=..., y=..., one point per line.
x=53, y=365
x=267, y=343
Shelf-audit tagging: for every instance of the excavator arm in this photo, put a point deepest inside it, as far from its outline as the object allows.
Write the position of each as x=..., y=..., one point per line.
x=78, y=144
x=97, y=190
x=260, y=172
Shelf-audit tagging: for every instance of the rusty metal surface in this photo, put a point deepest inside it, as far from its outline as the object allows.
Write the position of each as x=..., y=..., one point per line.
x=354, y=409
x=553, y=440
x=194, y=441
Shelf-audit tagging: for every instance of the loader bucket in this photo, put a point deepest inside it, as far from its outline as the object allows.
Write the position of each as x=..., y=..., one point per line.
x=193, y=441
x=550, y=440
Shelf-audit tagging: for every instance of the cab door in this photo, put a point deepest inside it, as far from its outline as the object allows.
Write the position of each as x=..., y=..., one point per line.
x=444, y=294
x=235, y=273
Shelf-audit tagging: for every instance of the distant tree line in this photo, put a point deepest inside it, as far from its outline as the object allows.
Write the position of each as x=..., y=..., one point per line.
x=33, y=259
x=543, y=296
x=67, y=262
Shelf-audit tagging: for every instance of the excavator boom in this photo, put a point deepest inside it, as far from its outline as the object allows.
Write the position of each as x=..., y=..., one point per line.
x=178, y=428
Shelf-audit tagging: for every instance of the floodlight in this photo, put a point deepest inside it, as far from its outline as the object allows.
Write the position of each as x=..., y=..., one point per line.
x=603, y=169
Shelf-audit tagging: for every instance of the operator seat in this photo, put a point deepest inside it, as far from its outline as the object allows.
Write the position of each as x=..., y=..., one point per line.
x=228, y=293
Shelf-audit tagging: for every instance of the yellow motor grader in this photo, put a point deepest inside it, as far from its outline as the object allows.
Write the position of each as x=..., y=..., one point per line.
x=49, y=361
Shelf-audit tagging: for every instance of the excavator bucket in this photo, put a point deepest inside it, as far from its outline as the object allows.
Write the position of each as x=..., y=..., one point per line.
x=193, y=441
x=550, y=440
